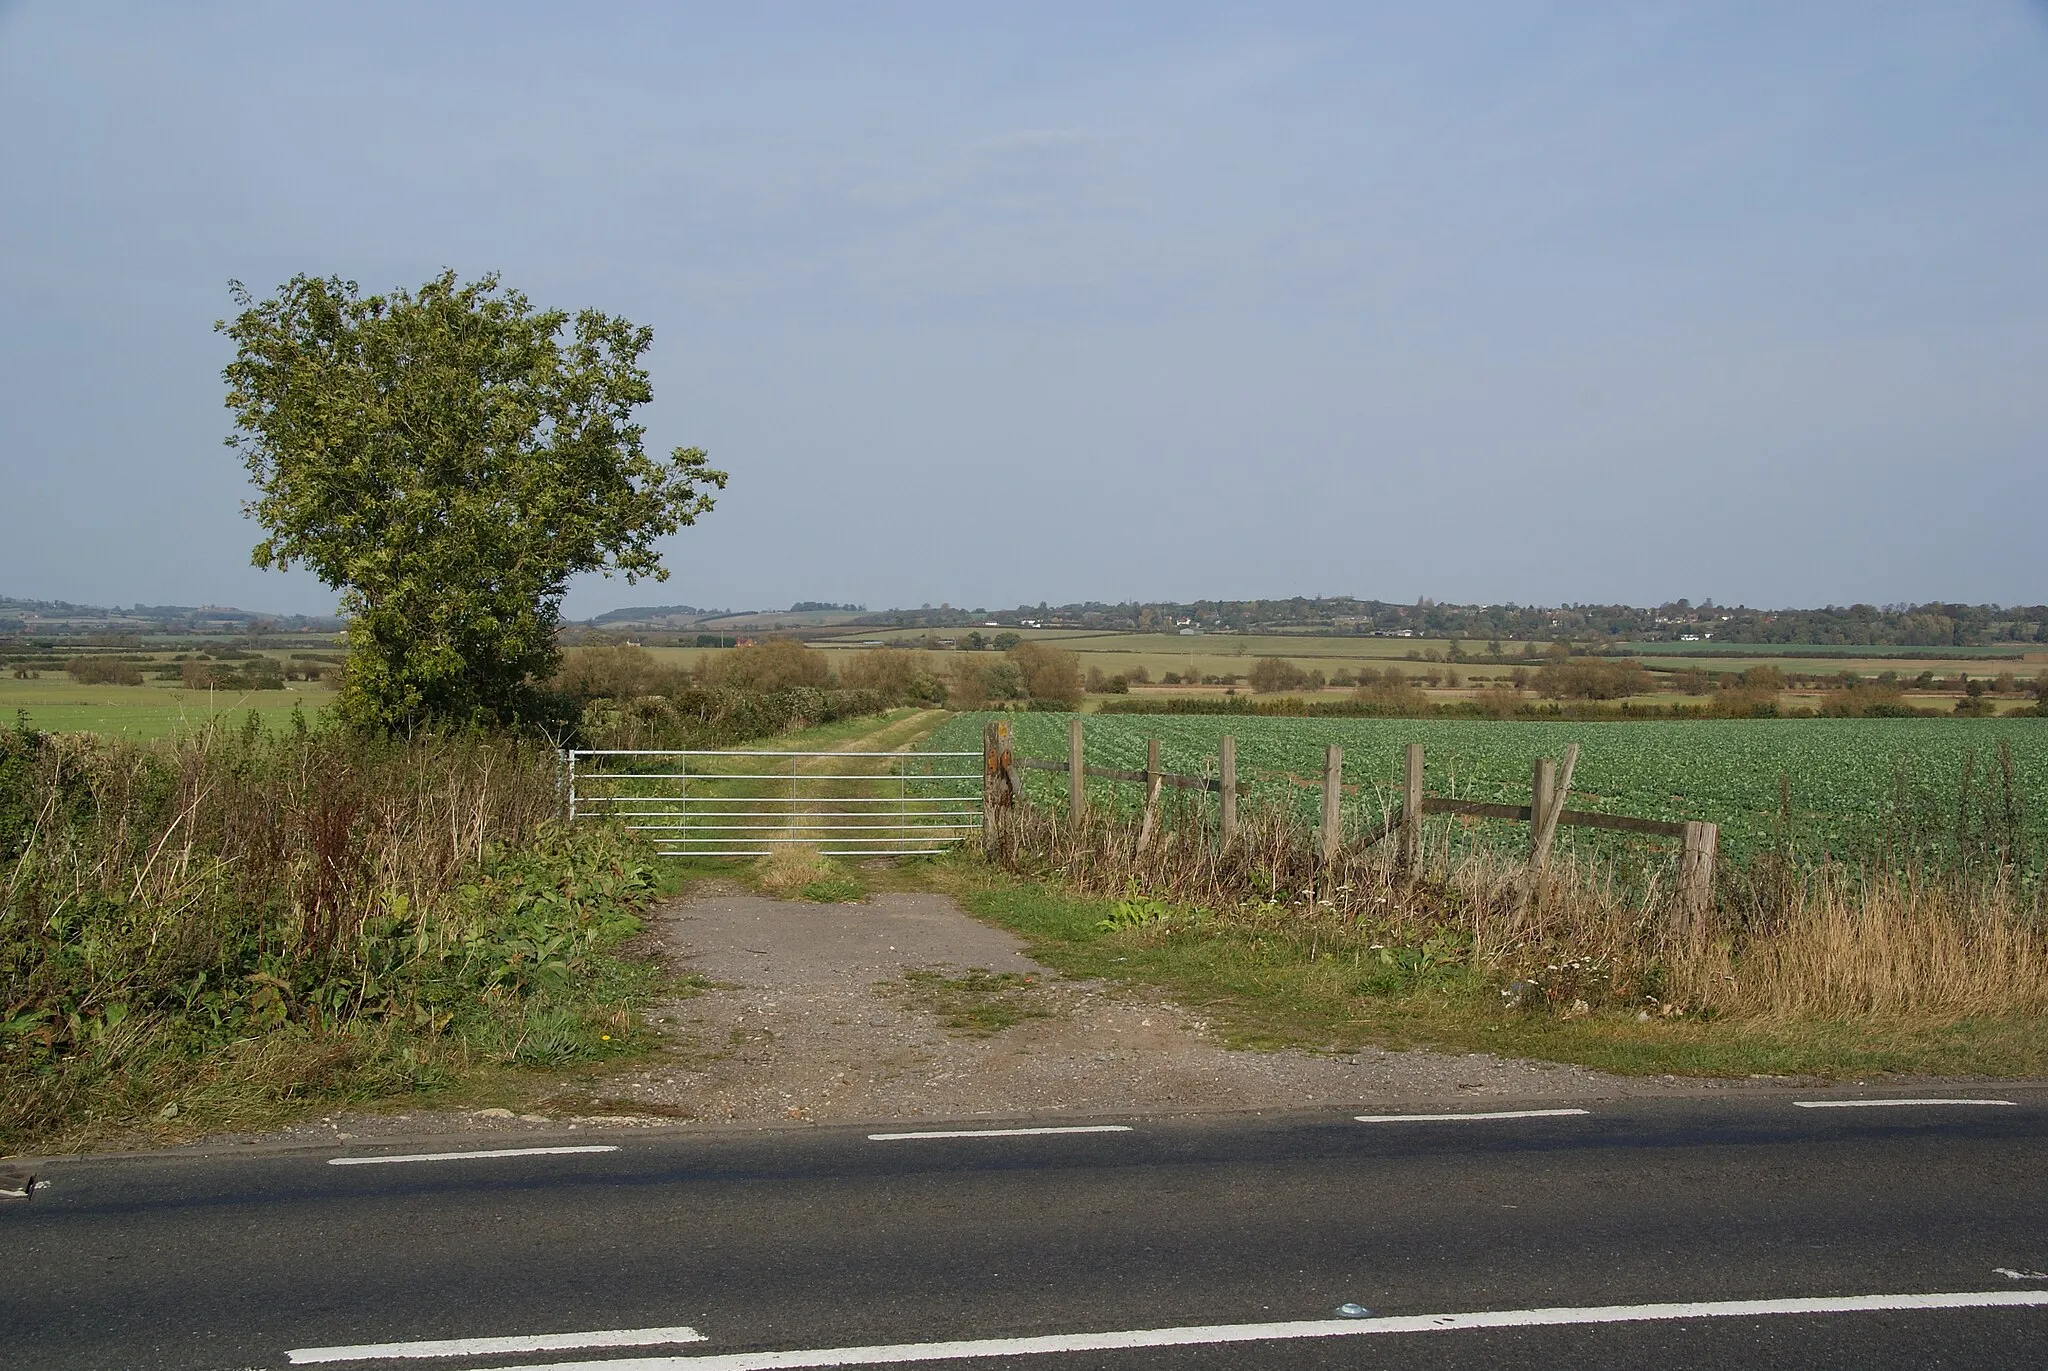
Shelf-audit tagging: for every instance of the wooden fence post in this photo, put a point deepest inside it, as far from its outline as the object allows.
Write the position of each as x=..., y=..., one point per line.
x=1152, y=784
x=1226, y=777
x=1543, y=823
x=1542, y=791
x=1411, y=808
x=1077, y=778
x=1333, y=802
x=1696, y=874
x=998, y=778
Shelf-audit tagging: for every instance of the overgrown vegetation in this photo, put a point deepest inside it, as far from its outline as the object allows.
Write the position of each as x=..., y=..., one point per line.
x=1826, y=969
x=214, y=931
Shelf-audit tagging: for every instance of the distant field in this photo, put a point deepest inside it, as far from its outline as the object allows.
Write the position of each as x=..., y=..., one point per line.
x=1224, y=654
x=1842, y=772
x=2037, y=651
x=57, y=704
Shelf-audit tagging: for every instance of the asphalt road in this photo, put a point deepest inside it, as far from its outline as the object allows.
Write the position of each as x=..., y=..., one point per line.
x=796, y=1240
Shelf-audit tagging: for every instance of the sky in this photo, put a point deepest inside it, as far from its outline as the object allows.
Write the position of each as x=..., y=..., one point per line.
x=993, y=304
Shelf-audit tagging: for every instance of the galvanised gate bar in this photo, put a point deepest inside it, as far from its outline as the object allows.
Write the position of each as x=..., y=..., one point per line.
x=743, y=803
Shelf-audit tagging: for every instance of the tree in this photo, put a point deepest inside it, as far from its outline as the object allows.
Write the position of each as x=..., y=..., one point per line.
x=1592, y=678
x=447, y=459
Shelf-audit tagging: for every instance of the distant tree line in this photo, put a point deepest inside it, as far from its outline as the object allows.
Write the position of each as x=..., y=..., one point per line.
x=1935, y=624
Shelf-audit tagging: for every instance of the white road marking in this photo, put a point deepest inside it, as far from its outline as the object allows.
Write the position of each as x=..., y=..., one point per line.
x=898, y=1353
x=466, y=1156
x=488, y=1347
x=1883, y=1104
x=1002, y=1132
x=1500, y=1114
x=2011, y=1274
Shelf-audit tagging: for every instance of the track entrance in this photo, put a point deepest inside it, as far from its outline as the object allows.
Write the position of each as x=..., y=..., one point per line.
x=749, y=803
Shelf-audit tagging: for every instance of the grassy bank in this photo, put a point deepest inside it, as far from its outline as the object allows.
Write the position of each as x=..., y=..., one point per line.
x=1827, y=971
x=221, y=930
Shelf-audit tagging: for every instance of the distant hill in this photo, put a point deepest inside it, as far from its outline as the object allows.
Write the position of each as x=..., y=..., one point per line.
x=63, y=616
x=653, y=614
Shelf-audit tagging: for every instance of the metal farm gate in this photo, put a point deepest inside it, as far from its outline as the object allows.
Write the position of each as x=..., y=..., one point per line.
x=748, y=803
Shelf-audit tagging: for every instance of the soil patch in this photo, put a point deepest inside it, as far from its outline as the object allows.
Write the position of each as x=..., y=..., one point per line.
x=903, y=1007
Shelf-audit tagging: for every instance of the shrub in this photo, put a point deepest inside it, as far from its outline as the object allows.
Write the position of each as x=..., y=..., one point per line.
x=1048, y=673
x=701, y=716
x=1742, y=702
x=895, y=672
x=615, y=673
x=1592, y=678
x=1497, y=702
x=778, y=664
x=1866, y=702
x=1271, y=675
x=103, y=671
x=1391, y=695
x=1691, y=681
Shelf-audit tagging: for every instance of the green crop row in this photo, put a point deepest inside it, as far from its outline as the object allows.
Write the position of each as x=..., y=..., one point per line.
x=1851, y=783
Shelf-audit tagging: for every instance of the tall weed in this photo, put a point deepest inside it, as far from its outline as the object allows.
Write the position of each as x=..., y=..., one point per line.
x=251, y=919
x=1830, y=939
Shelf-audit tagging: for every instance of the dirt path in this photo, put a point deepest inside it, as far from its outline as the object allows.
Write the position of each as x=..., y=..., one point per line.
x=904, y=1008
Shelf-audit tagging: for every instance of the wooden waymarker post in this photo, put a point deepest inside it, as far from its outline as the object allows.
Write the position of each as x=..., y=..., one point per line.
x=1152, y=783
x=1077, y=778
x=1333, y=802
x=999, y=777
x=1226, y=775
x=1411, y=807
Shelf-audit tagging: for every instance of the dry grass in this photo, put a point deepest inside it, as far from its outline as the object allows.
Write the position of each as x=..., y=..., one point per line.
x=1853, y=944
x=1828, y=942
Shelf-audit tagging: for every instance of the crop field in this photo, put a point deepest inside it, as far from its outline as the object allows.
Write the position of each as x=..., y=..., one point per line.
x=1847, y=777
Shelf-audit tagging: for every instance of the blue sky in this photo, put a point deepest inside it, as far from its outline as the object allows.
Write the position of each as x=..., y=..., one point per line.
x=989, y=304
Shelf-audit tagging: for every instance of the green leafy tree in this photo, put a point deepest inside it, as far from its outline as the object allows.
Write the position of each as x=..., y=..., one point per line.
x=448, y=458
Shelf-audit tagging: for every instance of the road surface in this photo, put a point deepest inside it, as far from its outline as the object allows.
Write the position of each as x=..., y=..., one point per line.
x=1662, y=1233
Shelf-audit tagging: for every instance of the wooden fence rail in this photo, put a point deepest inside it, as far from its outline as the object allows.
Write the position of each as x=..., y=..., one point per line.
x=1549, y=789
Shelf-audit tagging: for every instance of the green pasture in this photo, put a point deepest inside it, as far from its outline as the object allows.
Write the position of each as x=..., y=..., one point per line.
x=57, y=704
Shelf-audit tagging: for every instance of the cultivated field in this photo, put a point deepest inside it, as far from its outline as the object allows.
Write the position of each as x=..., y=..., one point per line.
x=154, y=709
x=1851, y=781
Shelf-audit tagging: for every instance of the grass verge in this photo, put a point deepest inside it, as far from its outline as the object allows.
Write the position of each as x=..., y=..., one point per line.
x=1264, y=991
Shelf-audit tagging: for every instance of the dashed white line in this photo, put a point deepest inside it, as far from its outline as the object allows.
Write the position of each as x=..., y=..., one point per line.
x=468, y=1156
x=1461, y=1118
x=489, y=1347
x=1001, y=1132
x=899, y=1353
x=1887, y=1104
